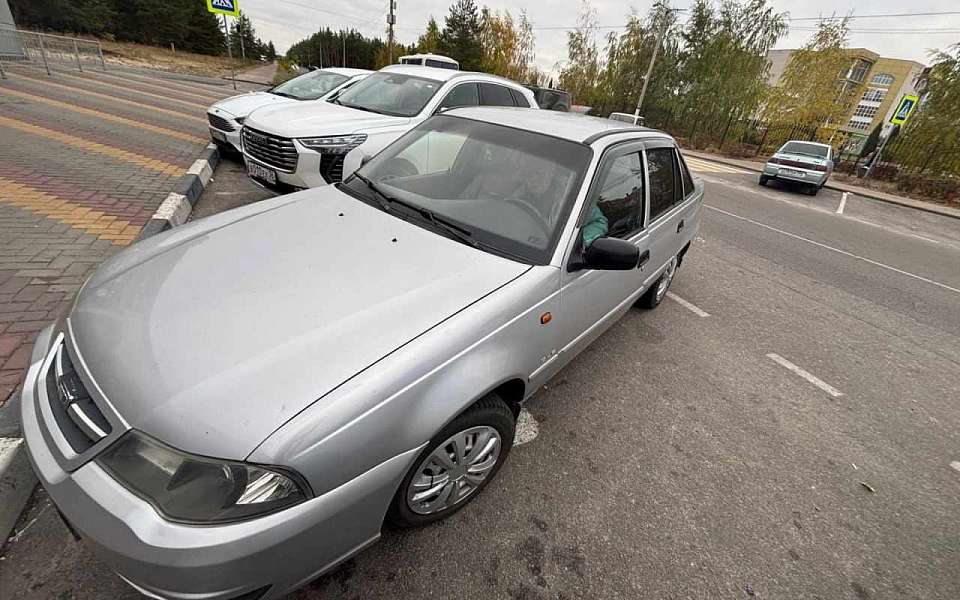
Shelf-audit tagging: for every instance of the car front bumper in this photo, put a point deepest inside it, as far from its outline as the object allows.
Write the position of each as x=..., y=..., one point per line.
x=817, y=178
x=221, y=137
x=264, y=557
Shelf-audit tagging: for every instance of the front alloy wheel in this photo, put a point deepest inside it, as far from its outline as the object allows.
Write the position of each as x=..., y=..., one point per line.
x=658, y=291
x=456, y=465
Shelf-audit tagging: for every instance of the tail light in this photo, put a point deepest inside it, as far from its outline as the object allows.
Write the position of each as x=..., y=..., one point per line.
x=818, y=167
x=774, y=160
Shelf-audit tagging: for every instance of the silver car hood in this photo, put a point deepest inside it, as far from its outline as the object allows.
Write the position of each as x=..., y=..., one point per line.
x=214, y=341
x=310, y=119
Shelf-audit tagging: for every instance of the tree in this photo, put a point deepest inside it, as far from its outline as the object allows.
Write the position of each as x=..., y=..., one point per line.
x=508, y=46
x=460, y=38
x=243, y=38
x=429, y=42
x=813, y=89
x=271, y=51
x=581, y=73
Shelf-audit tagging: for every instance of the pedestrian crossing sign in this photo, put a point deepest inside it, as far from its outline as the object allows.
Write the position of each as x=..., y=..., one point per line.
x=224, y=7
x=904, y=109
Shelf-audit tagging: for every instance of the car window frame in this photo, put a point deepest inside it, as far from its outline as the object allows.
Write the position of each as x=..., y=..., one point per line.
x=686, y=169
x=508, y=89
x=659, y=145
x=457, y=84
x=607, y=156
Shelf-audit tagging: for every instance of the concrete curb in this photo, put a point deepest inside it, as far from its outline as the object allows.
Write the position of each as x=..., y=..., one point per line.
x=17, y=479
x=178, y=204
x=944, y=211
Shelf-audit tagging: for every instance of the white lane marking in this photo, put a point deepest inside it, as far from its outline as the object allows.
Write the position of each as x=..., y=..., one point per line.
x=688, y=305
x=843, y=203
x=837, y=250
x=956, y=465
x=7, y=448
x=704, y=165
x=527, y=428
x=805, y=374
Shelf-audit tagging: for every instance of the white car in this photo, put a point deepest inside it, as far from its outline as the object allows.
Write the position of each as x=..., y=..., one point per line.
x=313, y=144
x=226, y=117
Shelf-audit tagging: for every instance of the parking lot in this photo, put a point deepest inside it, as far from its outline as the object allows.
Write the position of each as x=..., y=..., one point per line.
x=86, y=158
x=785, y=426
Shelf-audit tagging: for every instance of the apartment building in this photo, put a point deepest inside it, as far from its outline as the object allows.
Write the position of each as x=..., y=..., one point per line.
x=885, y=81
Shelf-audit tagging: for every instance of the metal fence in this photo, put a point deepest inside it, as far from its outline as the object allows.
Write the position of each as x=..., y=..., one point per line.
x=43, y=49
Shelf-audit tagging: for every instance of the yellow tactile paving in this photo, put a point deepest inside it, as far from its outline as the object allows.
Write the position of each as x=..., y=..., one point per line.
x=114, y=99
x=167, y=98
x=697, y=164
x=94, y=222
x=71, y=140
x=102, y=115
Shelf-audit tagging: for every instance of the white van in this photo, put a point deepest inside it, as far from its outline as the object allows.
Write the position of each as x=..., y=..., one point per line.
x=430, y=60
x=311, y=144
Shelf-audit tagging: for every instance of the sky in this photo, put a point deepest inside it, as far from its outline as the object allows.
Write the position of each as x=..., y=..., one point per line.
x=288, y=21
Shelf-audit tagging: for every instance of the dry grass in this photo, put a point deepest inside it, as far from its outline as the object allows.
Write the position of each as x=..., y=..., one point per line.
x=164, y=59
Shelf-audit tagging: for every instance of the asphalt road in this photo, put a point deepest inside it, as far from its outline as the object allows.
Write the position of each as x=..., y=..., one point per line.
x=795, y=443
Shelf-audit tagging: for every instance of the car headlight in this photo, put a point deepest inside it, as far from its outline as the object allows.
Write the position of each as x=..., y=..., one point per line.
x=334, y=144
x=194, y=489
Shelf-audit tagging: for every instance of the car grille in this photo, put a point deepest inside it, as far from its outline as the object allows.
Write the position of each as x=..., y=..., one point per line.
x=80, y=420
x=331, y=167
x=271, y=150
x=220, y=123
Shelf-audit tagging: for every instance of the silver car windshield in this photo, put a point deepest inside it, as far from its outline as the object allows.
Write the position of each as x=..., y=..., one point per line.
x=309, y=86
x=391, y=94
x=508, y=189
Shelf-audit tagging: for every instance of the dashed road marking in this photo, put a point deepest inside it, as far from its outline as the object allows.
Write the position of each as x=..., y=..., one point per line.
x=103, y=116
x=805, y=374
x=77, y=142
x=89, y=220
x=837, y=250
x=698, y=164
x=843, y=203
x=955, y=465
x=7, y=447
x=688, y=305
x=527, y=428
x=165, y=86
x=137, y=92
x=114, y=99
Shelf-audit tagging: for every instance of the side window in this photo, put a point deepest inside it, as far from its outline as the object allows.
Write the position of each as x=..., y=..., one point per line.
x=687, y=179
x=464, y=94
x=616, y=210
x=663, y=180
x=433, y=152
x=495, y=95
x=519, y=99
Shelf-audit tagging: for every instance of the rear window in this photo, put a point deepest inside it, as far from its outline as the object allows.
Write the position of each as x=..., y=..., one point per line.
x=519, y=99
x=495, y=95
x=815, y=150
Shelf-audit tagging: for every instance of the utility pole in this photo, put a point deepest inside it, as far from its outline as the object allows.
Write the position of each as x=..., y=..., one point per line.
x=391, y=21
x=653, y=59
x=233, y=73
x=344, y=34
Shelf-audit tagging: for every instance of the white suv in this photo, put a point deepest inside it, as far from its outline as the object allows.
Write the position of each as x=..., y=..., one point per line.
x=226, y=116
x=315, y=144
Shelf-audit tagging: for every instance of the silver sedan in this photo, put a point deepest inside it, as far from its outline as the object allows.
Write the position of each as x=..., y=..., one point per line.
x=236, y=406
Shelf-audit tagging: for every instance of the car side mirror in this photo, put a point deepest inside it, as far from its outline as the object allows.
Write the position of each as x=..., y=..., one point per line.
x=611, y=254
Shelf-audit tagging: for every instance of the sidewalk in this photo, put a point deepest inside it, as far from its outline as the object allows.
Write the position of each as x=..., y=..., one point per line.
x=757, y=166
x=262, y=74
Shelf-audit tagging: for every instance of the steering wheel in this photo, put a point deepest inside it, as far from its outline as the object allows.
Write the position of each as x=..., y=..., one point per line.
x=397, y=167
x=532, y=211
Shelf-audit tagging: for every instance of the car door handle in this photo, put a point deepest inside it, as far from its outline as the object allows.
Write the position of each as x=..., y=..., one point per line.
x=644, y=257
x=680, y=226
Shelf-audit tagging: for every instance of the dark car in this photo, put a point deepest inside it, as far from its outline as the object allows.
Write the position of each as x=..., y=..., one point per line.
x=551, y=99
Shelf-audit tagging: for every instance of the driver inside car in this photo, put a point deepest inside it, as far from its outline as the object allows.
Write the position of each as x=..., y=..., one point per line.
x=595, y=226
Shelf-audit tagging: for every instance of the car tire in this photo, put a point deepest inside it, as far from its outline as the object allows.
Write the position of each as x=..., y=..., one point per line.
x=764, y=179
x=489, y=420
x=658, y=291
x=813, y=189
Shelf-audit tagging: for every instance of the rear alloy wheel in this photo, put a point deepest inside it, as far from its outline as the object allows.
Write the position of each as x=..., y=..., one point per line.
x=813, y=189
x=658, y=291
x=456, y=465
x=764, y=179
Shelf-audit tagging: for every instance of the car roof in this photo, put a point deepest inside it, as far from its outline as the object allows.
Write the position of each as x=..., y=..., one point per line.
x=444, y=75
x=346, y=72
x=572, y=126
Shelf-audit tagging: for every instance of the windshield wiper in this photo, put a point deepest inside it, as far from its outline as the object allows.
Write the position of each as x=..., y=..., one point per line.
x=358, y=107
x=285, y=95
x=454, y=230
